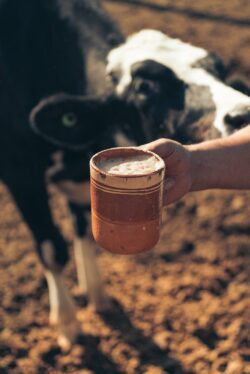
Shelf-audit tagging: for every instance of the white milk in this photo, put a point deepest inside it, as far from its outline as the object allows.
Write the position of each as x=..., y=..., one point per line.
x=136, y=165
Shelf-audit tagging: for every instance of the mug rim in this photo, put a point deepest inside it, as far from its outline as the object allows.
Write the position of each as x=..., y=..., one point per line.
x=142, y=151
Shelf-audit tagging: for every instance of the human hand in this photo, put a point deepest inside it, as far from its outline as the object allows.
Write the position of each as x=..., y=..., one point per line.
x=178, y=170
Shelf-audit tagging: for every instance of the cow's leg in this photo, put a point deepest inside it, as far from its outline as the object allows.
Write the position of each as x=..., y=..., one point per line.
x=85, y=254
x=31, y=197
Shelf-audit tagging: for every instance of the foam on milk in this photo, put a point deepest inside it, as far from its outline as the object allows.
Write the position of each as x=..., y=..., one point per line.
x=135, y=165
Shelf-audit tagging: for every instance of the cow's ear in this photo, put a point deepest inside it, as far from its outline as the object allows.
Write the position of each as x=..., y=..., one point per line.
x=175, y=91
x=75, y=122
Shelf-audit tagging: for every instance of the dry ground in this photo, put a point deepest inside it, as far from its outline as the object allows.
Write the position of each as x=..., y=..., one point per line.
x=181, y=308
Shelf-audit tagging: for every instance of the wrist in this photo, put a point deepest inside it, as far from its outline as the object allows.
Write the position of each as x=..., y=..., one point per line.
x=202, y=167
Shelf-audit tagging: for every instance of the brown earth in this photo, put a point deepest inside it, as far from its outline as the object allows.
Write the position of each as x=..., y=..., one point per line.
x=181, y=308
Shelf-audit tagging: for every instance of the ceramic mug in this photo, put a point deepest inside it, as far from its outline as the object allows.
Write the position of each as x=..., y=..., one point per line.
x=126, y=209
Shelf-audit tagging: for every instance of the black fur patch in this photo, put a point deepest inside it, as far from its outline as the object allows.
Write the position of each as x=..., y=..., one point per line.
x=213, y=65
x=199, y=104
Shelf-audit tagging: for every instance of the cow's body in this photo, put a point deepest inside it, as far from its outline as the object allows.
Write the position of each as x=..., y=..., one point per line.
x=48, y=47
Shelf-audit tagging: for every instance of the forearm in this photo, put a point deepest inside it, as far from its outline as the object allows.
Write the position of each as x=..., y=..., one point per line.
x=221, y=163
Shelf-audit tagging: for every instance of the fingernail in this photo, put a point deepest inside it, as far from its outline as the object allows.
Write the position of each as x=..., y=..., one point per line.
x=169, y=184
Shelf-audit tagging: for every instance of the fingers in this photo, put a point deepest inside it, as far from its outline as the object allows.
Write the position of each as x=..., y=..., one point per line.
x=169, y=184
x=169, y=191
x=152, y=145
x=175, y=187
x=176, y=158
x=170, y=197
x=163, y=147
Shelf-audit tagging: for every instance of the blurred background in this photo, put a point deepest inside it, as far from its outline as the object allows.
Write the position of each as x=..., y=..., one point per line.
x=182, y=308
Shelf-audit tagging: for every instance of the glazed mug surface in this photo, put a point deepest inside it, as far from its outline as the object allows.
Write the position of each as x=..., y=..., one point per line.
x=126, y=209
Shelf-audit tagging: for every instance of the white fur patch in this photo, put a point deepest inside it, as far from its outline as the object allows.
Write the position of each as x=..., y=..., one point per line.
x=80, y=265
x=153, y=45
x=57, y=158
x=75, y=192
x=48, y=254
x=178, y=56
x=62, y=310
x=61, y=305
x=88, y=273
x=121, y=140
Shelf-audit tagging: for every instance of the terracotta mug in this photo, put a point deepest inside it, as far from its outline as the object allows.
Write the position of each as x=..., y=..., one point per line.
x=126, y=209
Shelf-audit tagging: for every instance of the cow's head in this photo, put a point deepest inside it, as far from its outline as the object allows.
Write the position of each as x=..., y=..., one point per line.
x=159, y=74
x=76, y=122
x=154, y=89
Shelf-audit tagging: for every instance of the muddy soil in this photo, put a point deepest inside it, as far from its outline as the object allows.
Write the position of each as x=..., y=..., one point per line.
x=182, y=308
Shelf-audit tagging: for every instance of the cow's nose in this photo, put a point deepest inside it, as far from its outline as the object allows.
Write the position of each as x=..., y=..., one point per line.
x=238, y=116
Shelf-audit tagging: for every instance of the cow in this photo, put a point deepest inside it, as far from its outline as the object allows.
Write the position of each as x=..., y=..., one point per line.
x=52, y=57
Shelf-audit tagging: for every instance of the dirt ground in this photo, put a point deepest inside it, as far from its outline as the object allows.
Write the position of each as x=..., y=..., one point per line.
x=182, y=308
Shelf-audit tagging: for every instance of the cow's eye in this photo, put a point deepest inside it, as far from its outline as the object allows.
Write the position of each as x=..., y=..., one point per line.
x=69, y=120
x=143, y=87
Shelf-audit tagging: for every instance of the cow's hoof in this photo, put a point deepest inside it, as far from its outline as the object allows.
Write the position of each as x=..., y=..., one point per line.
x=69, y=334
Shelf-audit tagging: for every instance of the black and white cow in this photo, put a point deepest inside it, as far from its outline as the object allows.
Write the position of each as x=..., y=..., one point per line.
x=55, y=51
x=52, y=51
x=158, y=72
